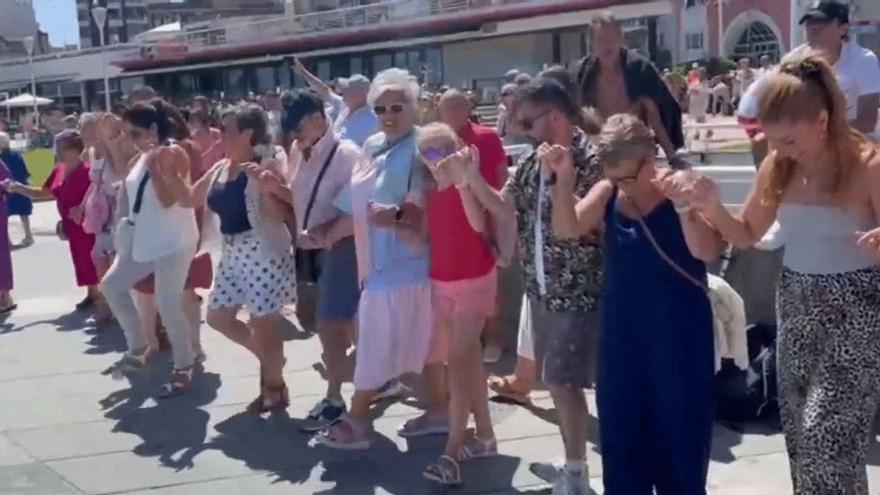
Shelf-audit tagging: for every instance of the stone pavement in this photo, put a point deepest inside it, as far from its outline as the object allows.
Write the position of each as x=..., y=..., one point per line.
x=67, y=428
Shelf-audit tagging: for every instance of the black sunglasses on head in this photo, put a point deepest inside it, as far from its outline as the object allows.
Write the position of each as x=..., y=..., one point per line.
x=383, y=109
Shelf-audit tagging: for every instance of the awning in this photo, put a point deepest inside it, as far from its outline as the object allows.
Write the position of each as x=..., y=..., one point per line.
x=431, y=29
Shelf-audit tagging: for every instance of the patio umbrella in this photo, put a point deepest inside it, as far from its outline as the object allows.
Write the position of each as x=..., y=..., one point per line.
x=24, y=100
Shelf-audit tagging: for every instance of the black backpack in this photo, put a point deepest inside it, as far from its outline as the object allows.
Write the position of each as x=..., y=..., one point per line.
x=744, y=396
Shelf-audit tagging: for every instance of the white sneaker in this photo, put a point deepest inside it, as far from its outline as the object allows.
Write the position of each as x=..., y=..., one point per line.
x=568, y=484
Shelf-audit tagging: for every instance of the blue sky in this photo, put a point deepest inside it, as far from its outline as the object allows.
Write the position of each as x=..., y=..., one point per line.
x=58, y=18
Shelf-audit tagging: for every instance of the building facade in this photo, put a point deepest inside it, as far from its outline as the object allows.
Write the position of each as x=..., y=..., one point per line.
x=125, y=20
x=751, y=28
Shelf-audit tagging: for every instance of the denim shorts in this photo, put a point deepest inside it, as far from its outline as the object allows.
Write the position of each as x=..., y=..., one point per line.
x=338, y=288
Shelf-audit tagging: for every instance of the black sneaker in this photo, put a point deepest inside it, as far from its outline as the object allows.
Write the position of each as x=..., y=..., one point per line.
x=324, y=413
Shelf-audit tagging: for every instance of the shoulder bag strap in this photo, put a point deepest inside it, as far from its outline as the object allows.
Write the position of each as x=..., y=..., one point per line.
x=318, y=184
x=139, y=198
x=666, y=258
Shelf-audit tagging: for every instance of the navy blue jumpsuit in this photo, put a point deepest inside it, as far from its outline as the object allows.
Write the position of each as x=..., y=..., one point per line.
x=656, y=361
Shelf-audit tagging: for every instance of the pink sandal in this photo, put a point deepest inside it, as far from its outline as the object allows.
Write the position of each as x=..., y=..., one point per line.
x=343, y=434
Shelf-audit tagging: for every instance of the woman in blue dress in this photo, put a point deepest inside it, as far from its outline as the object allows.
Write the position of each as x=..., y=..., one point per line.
x=656, y=351
x=17, y=204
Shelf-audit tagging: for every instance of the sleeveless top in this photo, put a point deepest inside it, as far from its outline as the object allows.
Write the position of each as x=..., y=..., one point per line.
x=821, y=239
x=227, y=200
x=158, y=231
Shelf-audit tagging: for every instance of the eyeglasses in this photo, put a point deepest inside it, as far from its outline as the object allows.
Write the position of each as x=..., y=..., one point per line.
x=506, y=93
x=436, y=154
x=528, y=123
x=383, y=109
x=630, y=179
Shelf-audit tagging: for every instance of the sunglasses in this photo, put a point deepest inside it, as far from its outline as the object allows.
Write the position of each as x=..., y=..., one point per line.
x=395, y=109
x=630, y=179
x=436, y=154
x=528, y=123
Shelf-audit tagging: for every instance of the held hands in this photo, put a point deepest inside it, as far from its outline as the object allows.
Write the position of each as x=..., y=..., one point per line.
x=556, y=159
x=312, y=239
x=10, y=186
x=690, y=190
x=109, y=128
x=869, y=242
x=459, y=169
x=382, y=215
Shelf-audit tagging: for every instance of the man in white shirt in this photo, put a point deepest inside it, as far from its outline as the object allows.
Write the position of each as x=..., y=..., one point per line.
x=856, y=68
x=352, y=118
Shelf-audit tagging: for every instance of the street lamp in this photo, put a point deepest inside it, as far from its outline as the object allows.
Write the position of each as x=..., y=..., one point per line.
x=28, y=42
x=100, y=15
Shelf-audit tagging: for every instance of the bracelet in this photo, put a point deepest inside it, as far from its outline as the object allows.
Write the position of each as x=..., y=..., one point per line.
x=681, y=210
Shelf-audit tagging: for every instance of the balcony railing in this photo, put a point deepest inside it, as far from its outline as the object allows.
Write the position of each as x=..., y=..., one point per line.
x=256, y=30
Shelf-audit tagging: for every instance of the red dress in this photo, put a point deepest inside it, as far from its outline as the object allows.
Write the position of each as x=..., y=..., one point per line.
x=69, y=192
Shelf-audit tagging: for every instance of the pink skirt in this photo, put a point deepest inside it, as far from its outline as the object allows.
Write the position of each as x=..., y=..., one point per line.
x=469, y=299
x=394, y=332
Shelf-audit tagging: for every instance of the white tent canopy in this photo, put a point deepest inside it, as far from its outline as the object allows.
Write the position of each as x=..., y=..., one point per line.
x=24, y=100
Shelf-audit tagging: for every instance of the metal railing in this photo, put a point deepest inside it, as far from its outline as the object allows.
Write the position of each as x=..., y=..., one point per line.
x=256, y=30
x=232, y=32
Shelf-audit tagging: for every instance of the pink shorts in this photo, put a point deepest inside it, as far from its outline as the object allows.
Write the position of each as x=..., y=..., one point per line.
x=473, y=299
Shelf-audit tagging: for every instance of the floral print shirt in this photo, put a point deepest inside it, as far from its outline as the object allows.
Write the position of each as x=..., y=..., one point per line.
x=572, y=268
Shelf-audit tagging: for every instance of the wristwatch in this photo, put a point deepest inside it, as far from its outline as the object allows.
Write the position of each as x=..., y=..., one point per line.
x=398, y=215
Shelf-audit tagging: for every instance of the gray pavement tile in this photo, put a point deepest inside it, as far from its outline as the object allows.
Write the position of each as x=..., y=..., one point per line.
x=11, y=454
x=125, y=472
x=33, y=479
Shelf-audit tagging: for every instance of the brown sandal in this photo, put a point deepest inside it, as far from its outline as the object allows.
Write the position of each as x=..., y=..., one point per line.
x=271, y=398
x=180, y=383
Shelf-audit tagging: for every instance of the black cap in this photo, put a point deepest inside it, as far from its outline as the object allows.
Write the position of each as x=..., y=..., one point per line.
x=299, y=105
x=827, y=10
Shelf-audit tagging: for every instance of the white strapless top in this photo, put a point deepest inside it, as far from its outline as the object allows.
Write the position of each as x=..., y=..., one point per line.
x=821, y=239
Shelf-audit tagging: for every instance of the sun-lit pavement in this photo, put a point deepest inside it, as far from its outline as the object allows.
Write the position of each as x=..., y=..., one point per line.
x=66, y=428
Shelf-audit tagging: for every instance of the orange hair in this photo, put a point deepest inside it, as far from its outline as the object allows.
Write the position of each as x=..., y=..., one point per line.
x=804, y=87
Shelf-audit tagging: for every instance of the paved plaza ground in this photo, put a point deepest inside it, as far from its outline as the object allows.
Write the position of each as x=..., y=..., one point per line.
x=67, y=428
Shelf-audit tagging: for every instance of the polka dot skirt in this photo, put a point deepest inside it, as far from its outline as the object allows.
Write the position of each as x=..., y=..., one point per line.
x=247, y=278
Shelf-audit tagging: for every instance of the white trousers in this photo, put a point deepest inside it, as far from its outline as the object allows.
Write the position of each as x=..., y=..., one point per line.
x=170, y=273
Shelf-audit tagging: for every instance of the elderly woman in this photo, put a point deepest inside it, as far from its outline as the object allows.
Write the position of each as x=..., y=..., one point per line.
x=67, y=185
x=654, y=388
x=821, y=183
x=386, y=201
x=17, y=204
x=256, y=268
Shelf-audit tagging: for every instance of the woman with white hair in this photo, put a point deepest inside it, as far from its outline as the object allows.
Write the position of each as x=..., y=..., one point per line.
x=17, y=204
x=386, y=201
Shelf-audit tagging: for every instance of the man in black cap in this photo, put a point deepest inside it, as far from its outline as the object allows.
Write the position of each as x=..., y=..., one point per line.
x=321, y=164
x=826, y=24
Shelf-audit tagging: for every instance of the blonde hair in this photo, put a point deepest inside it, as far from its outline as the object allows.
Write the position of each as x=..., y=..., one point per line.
x=436, y=131
x=624, y=137
x=803, y=88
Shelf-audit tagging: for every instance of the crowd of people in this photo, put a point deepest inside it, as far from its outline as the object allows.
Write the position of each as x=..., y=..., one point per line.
x=400, y=210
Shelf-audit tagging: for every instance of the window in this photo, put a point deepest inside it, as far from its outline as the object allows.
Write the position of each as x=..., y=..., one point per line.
x=694, y=41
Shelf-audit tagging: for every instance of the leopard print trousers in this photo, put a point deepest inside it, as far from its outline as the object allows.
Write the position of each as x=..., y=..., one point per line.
x=829, y=377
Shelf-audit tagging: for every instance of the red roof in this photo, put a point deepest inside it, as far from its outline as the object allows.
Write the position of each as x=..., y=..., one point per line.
x=418, y=27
